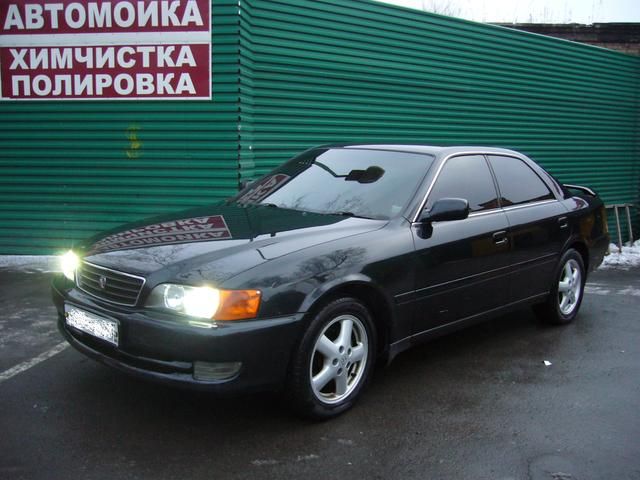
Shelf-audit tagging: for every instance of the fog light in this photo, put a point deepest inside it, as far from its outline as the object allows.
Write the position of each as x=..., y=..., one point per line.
x=210, y=372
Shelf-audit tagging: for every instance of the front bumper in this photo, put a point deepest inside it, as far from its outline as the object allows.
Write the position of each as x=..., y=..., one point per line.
x=159, y=347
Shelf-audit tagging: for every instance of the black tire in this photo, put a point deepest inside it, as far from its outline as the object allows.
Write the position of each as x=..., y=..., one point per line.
x=349, y=376
x=554, y=310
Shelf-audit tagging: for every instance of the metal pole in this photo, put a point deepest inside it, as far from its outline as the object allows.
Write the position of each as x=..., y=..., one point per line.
x=626, y=207
x=615, y=209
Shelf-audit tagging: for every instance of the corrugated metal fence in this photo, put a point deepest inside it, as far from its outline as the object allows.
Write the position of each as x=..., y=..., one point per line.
x=290, y=74
x=361, y=71
x=71, y=169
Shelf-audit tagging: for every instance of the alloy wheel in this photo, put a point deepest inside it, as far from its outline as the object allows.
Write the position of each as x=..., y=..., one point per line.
x=569, y=287
x=339, y=359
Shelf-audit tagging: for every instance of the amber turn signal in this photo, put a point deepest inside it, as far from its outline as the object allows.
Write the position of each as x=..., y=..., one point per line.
x=238, y=304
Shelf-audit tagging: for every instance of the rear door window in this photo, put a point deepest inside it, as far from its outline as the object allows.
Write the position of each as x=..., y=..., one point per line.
x=517, y=182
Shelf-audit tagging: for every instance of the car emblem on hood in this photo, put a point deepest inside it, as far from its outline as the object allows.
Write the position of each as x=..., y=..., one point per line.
x=102, y=282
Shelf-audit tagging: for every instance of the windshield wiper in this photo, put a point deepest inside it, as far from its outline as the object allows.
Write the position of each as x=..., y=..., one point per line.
x=344, y=213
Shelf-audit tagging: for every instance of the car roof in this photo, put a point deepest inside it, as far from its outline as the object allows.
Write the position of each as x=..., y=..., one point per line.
x=438, y=151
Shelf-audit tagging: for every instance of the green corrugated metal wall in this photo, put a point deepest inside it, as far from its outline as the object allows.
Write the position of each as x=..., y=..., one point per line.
x=71, y=169
x=362, y=71
x=289, y=74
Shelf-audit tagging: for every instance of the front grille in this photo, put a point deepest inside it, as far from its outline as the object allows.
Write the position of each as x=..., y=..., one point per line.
x=110, y=285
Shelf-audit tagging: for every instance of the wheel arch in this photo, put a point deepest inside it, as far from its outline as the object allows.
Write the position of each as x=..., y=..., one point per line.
x=580, y=246
x=362, y=289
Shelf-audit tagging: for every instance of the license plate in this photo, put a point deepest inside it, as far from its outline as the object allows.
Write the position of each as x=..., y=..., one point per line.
x=100, y=327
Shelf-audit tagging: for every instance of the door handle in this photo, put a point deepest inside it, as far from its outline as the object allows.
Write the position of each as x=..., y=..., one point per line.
x=563, y=222
x=500, y=238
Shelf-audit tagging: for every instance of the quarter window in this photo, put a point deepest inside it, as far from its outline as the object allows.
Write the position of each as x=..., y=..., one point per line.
x=466, y=177
x=517, y=182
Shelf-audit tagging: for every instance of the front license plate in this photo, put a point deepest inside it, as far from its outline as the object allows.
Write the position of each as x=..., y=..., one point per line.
x=103, y=328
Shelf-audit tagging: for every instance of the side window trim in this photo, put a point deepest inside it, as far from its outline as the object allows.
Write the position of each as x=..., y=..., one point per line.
x=423, y=203
x=495, y=180
x=484, y=156
x=425, y=199
x=526, y=164
x=529, y=204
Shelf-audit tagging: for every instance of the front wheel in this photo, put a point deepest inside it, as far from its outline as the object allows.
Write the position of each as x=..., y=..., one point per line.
x=334, y=360
x=566, y=293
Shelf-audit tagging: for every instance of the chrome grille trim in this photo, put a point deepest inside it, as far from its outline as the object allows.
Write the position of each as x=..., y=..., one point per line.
x=122, y=288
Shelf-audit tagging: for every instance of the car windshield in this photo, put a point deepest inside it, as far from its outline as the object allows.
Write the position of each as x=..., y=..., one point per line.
x=345, y=181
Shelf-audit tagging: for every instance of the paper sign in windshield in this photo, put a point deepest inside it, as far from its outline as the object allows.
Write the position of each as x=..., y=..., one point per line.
x=264, y=188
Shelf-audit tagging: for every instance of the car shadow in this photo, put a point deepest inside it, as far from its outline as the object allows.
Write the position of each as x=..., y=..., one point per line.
x=483, y=347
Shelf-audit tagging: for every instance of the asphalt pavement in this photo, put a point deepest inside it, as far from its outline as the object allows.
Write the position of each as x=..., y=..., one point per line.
x=477, y=404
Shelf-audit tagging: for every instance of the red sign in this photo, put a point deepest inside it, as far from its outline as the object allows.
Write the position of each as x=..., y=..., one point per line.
x=128, y=49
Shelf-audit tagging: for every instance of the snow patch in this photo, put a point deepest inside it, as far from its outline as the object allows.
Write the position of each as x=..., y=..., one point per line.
x=630, y=256
x=304, y=458
x=261, y=463
x=596, y=290
x=634, y=292
x=30, y=263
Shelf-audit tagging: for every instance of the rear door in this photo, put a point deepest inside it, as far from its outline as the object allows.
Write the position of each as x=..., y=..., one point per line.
x=538, y=221
x=461, y=266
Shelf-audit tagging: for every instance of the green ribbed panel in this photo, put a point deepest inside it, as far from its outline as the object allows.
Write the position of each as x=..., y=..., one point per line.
x=246, y=107
x=290, y=74
x=361, y=71
x=71, y=169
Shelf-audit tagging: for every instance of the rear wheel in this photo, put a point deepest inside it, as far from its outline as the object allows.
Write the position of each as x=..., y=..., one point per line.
x=334, y=359
x=566, y=293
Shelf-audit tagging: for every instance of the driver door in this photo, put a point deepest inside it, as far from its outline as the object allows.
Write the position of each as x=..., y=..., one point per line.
x=462, y=265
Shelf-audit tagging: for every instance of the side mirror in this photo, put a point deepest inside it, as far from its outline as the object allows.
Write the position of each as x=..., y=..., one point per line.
x=447, y=209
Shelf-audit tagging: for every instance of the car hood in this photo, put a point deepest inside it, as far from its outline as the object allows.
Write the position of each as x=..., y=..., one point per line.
x=217, y=242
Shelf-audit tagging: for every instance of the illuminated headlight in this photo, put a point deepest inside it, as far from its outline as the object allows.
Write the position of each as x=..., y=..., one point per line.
x=206, y=302
x=201, y=302
x=69, y=262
